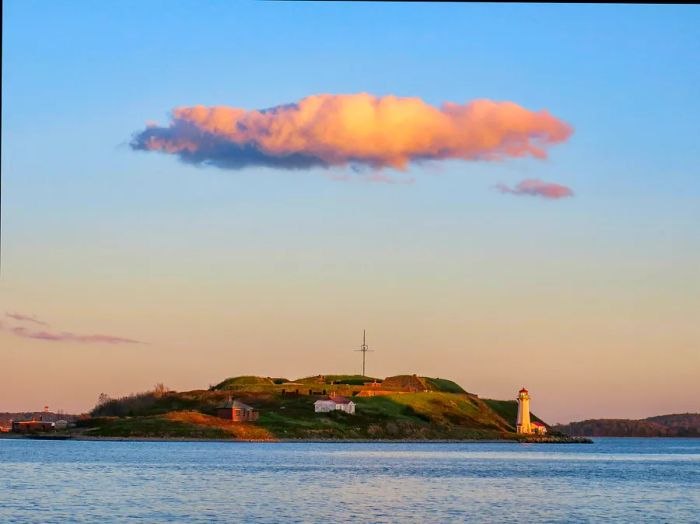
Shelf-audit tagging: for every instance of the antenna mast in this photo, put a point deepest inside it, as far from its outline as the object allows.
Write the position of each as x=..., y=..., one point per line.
x=364, y=348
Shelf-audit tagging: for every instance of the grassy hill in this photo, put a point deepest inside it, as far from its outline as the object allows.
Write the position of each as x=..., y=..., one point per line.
x=245, y=381
x=441, y=409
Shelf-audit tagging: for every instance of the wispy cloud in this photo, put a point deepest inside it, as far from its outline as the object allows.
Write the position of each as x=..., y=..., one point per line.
x=534, y=187
x=359, y=130
x=25, y=318
x=57, y=336
x=64, y=336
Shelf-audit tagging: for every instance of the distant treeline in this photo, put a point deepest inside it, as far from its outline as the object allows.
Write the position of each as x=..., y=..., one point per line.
x=5, y=418
x=678, y=425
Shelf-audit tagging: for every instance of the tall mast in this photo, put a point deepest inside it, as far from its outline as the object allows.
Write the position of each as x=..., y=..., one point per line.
x=364, y=348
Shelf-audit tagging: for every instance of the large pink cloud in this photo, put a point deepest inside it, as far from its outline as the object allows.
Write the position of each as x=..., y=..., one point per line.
x=359, y=129
x=540, y=188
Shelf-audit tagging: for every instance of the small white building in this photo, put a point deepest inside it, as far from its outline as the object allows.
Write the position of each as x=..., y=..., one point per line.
x=335, y=404
x=538, y=428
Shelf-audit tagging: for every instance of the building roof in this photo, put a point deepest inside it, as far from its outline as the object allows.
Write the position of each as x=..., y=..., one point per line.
x=539, y=424
x=523, y=390
x=230, y=403
x=336, y=400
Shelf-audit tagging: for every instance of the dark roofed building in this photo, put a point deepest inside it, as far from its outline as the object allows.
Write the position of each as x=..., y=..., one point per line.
x=32, y=426
x=236, y=411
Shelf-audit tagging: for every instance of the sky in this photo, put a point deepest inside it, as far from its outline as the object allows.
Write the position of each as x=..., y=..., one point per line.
x=504, y=195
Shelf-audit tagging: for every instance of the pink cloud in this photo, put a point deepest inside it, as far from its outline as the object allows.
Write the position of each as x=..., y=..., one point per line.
x=358, y=130
x=69, y=337
x=54, y=336
x=25, y=318
x=64, y=336
x=534, y=187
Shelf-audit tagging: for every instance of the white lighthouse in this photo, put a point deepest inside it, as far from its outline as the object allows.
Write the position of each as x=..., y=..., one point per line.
x=523, y=424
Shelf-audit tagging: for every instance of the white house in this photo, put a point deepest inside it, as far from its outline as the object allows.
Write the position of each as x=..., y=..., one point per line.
x=333, y=404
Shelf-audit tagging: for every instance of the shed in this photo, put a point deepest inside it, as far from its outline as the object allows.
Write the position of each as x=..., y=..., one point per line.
x=236, y=411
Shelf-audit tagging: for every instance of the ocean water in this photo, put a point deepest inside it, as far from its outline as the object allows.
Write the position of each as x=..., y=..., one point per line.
x=612, y=480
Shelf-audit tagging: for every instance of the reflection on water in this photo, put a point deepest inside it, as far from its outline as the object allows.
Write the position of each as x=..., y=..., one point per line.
x=623, y=480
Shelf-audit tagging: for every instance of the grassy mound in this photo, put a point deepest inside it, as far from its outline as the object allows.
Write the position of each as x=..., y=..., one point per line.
x=444, y=385
x=248, y=380
x=416, y=383
x=405, y=383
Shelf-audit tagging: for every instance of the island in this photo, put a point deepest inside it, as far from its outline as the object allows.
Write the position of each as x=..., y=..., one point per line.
x=316, y=408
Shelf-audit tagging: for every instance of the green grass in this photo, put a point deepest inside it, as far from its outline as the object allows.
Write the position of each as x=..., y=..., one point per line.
x=155, y=427
x=444, y=385
x=412, y=415
x=248, y=380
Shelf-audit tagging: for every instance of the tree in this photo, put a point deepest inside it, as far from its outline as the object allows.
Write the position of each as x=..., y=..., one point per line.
x=103, y=399
x=159, y=390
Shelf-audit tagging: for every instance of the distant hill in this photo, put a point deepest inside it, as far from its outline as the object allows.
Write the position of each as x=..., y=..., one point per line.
x=677, y=425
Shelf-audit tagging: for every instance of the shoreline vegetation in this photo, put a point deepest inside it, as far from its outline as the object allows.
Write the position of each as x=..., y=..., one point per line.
x=677, y=425
x=79, y=438
x=402, y=408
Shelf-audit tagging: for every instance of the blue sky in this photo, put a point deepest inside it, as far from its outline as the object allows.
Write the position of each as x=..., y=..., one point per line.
x=85, y=218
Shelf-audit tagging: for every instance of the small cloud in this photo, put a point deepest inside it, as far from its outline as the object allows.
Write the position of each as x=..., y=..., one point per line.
x=70, y=337
x=57, y=336
x=25, y=318
x=535, y=187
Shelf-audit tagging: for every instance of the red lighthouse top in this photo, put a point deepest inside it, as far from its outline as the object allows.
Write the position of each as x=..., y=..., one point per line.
x=523, y=390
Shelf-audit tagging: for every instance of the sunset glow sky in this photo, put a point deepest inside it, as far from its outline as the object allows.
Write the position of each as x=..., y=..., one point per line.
x=504, y=195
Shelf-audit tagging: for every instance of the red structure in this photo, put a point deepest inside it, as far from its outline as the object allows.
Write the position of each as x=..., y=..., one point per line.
x=237, y=411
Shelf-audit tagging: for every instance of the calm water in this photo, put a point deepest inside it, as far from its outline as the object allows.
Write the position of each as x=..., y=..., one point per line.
x=619, y=480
